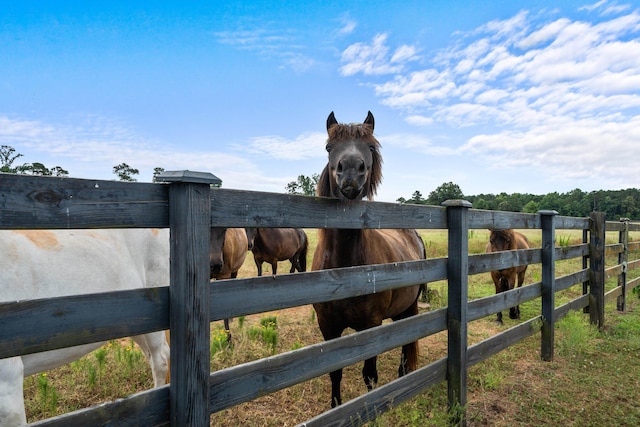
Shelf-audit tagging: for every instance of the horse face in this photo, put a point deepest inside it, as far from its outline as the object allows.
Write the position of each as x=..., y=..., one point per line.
x=500, y=240
x=351, y=161
x=216, y=243
x=251, y=235
x=350, y=165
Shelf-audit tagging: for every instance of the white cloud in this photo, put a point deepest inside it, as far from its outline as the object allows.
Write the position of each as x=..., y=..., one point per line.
x=374, y=58
x=305, y=146
x=559, y=95
x=91, y=147
x=348, y=26
x=281, y=44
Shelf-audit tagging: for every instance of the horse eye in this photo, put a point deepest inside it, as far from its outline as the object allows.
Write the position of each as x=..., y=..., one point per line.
x=328, y=148
x=372, y=148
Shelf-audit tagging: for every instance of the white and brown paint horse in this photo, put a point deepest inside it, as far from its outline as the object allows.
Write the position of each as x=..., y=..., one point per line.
x=505, y=280
x=48, y=263
x=353, y=172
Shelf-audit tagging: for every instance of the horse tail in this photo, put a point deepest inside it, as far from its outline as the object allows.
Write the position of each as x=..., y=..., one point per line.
x=302, y=259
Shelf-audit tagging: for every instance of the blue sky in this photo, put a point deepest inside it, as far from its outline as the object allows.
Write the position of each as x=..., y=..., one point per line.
x=494, y=96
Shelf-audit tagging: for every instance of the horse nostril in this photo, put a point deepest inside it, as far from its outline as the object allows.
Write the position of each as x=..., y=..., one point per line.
x=216, y=267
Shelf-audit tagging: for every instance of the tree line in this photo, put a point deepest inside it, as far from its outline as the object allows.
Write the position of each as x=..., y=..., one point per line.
x=9, y=156
x=615, y=203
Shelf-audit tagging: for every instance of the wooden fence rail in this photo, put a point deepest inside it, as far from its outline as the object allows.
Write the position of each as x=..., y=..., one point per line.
x=189, y=207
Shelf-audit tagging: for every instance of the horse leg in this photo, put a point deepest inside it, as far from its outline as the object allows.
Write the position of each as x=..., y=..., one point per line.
x=259, y=265
x=497, y=281
x=520, y=282
x=336, y=379
x=294, y=265
x=227, y=330
x=154, y=346
x=514, y=312
x=274, y=267
x=370, y=372
x=11, y=393
x=409, y=356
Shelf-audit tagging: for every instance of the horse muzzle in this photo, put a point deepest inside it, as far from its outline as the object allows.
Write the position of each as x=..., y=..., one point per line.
x=215, y=268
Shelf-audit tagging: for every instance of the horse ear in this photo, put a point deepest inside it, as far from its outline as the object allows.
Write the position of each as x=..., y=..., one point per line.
x=331, y=120
x=369, y=120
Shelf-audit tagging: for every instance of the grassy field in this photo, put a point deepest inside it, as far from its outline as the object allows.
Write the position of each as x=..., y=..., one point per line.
x=592, y=381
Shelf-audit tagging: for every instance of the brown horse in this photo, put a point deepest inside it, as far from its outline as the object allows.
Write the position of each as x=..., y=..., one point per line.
x=353, y=172
x=504, y=280
x=278, y=244
x=227, y=251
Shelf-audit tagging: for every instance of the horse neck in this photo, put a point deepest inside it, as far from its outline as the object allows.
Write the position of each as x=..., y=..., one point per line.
x=345, y=246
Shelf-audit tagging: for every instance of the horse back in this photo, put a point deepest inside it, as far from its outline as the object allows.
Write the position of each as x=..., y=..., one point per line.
x=279, y=244
x=234, y=252
x=50, y=263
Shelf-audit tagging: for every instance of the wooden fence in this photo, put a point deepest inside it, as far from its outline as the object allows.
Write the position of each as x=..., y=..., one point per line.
x=188, y=206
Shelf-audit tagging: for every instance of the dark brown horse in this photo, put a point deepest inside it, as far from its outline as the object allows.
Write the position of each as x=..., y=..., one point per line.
x=227, y=251
x=278, y=244
x=353, y=172
x=504, y=280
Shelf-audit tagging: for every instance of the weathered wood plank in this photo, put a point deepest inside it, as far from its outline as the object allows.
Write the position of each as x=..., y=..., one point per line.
x=38, y=202
x=149, y=408
x=482, y=263
x=367, y=407
x=491, y=346
x=229, y=297
x=46, y=324
x=238, y=384
x=569, y=252
x=565, y=282
x=238, y=208
x=576, y=304
x=483, y=307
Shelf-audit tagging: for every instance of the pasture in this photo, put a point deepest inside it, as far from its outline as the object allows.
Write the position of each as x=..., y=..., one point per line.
x=591, y=381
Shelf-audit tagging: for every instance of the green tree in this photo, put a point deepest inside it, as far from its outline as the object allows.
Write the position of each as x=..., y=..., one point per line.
x=156, y=172
x=8, y=155
x=446, y=191
x=531, y=207
x=37, y=168
x=304, y=185
x=124, y=172
x=481, y=204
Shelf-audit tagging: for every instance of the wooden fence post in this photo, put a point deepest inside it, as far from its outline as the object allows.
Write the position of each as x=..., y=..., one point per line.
x=585, y=265
x=189, y=219
x=547, y=219
x=623, y=258
x=596, y=268
x=458, y=278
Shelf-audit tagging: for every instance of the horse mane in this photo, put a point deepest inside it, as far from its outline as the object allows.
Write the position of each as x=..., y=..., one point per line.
x=340, y=132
